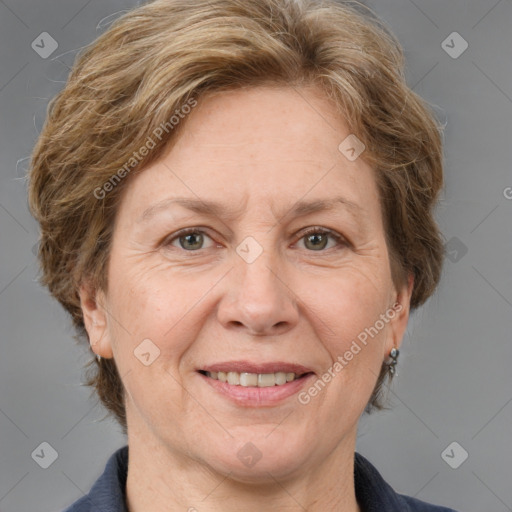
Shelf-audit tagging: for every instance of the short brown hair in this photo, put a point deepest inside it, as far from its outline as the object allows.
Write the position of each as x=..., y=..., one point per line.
x=161, y=55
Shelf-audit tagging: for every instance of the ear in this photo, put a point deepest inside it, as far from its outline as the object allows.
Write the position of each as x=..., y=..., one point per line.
x=95, y=320
x=401, y=307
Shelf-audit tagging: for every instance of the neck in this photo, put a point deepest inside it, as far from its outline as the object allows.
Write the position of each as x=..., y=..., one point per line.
x=160, y=479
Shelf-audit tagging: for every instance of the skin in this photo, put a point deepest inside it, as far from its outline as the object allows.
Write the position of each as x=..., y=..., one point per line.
x=257, y=150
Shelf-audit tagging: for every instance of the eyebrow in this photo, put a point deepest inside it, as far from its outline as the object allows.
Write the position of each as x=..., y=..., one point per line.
x=215, y=209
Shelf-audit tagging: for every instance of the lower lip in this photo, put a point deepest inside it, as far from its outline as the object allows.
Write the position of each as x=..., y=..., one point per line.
x=258, y=397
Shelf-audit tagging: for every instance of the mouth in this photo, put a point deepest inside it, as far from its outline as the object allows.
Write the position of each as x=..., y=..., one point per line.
x=256, y=385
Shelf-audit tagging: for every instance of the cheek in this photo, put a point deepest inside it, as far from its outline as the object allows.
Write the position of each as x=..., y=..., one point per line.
x=356, y=303
x=157, y=304
x=356, y=298
x=150, y=332
x=149, y=313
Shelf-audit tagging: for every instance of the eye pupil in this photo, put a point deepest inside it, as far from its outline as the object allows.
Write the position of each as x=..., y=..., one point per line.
x=322, y=237
x=189, y=237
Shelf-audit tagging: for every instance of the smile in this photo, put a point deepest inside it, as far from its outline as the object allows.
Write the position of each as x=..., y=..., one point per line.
x=256, y=385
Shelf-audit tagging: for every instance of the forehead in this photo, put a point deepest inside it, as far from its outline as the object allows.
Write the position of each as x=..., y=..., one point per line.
x=263, y=122
x=264, y=146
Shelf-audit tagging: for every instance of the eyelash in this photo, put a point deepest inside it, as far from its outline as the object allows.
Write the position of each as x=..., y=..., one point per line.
x=341, y=241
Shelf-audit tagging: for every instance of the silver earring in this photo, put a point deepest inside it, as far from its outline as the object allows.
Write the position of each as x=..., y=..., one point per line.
x=392, y=364
x=98, y=357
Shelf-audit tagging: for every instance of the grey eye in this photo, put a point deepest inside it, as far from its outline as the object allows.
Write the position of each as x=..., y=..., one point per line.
x=316, y=241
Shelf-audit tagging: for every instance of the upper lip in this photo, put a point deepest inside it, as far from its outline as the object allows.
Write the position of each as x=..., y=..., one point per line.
x=251, y=367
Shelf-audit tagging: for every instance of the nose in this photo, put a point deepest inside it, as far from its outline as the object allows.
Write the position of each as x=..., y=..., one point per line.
x=258, y=299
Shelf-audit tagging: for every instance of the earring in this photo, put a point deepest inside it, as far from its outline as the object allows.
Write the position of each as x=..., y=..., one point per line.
x=392, y=364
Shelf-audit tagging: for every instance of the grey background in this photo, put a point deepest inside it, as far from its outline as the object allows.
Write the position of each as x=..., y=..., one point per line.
x=454, y=381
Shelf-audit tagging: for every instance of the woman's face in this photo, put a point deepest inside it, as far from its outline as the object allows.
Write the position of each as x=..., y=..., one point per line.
x=248, y=290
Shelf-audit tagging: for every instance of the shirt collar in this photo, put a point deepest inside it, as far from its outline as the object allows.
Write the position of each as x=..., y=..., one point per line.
x=372, y=493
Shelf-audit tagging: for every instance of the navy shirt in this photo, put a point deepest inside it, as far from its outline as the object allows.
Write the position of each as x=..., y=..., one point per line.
x=372, y=492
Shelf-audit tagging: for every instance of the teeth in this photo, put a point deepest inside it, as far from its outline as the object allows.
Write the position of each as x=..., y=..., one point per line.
x=248, y=379
x=265, y=380
x=233, y=378
x=260, y=380
x=281, y=378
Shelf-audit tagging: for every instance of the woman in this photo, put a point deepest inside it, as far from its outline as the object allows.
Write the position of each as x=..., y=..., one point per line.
x=236, y=205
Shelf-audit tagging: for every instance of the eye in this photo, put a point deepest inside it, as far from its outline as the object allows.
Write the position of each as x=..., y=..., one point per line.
x=316, y=238
x=190, y=239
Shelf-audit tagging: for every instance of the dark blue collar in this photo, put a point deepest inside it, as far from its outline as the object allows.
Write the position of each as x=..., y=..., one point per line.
x=372, y=492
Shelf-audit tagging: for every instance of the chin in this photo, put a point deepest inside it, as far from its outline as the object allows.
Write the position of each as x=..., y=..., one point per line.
x=259, y=459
